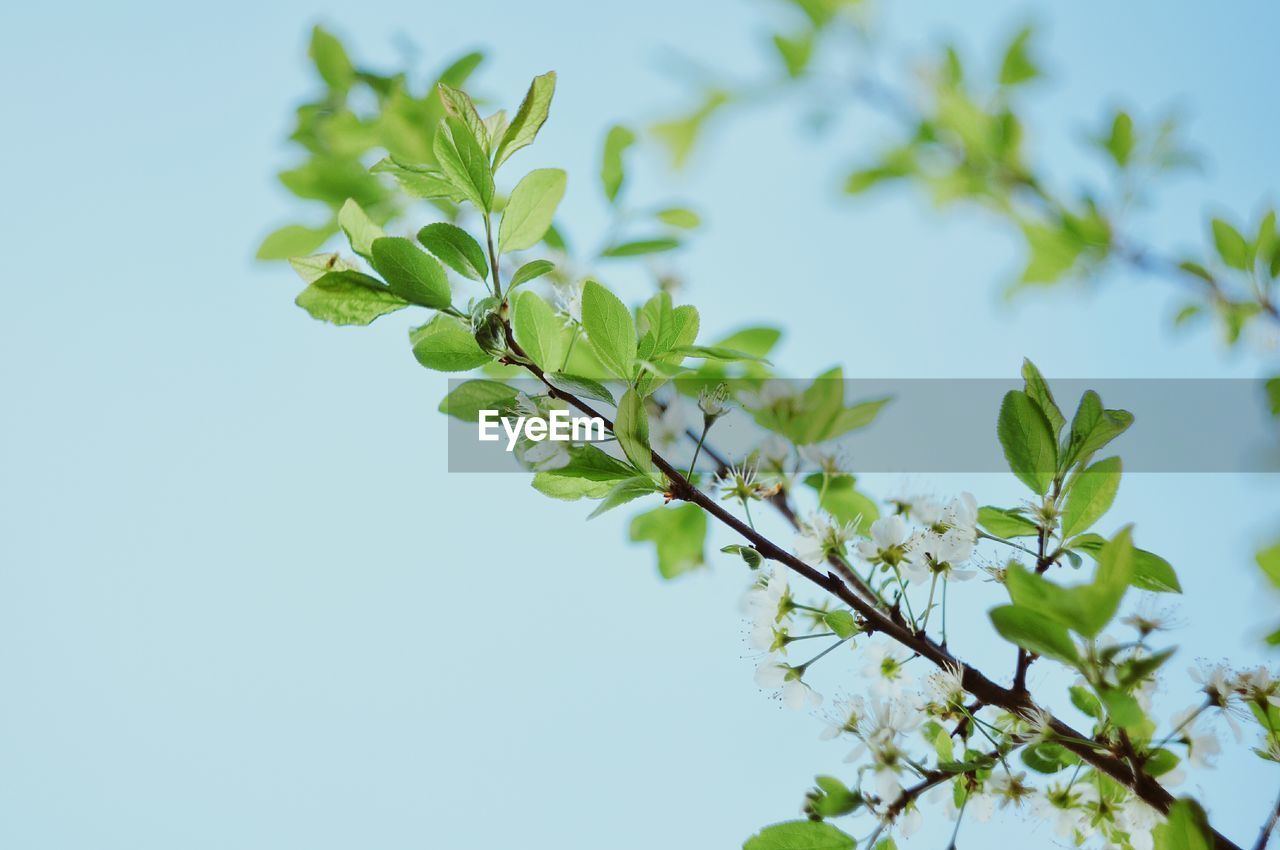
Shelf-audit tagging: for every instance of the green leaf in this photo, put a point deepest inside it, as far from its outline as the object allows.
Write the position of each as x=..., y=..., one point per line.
x=538, y=330
x=1269, y=561
x=711, y=352
x=464, y=162
x=1018, y=67
x=411, y=274
x=1150, y=571
x=1083, y=699
x=755, y=341
x=795, y=52
x=470, y=397
x=446, y=344
x=590, y=474
x=625, y=491
x=610, y=329
x=456, y=248
x=800, y=835
x=1092, y=428
x=631, y=427
x=1185, y=828
x=348, y=298
x=612, y=170
x=1231, y=245
x=528, y=118
x=331, y=60
x=459, y=106
x=359, y=228
x=530, y=271
x=1047, y=757
x=678, y=532
x=530, y=209
x=679, y=217
x=841, y=622
x=1027, y=440
x=421, y=181
x=314, y=267
x=1090, y=495
x=1034, y=633
x=1005, y=523
x=293, y=240
x=842, y=500
x=752, y=558
x=1272, y=389
x=1122, y=708
x=1038, y=389
x=580, y=386
x=679, y=135
x=639, y=247
x=1084, y=608
x=1120, y=142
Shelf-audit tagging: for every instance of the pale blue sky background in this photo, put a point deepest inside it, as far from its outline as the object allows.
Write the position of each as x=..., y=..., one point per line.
x=241, y=604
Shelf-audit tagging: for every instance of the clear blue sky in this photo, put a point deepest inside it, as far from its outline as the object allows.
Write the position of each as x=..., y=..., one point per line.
x=241, y=603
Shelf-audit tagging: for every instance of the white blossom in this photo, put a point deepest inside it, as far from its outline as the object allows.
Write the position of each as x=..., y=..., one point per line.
x=795, y=693
x=884, y=663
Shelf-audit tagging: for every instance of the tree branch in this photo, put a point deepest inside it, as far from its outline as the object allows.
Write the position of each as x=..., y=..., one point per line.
x=1268, y=827
x=972, y=679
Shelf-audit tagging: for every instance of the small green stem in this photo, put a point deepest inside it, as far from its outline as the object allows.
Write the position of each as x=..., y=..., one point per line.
x=706, y=426
x=576, y=331
x=928, y=606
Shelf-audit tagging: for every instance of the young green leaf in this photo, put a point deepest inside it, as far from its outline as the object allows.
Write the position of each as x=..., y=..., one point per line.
x=612, y=170
x=841, y=622
x=458, y=105
x=1018, y=66
x=470, y=397
x=1092, y=428
x=530, y=271
x=679, y=533
x=1038, y=389
x=640, y=247
x=348, y=298
x=625, y=491
x=359, y=228
x=538, y=330
x=421, y=181
x=631, y=427
x=679, y=217
x=316, y=266
x=293, y=240
x=1005, y=523
x=1185, y=828
x=530, y=209
x=456, y=248
x=446, y=344
x=464, y=162
x=1231, y=245
x=610, y=329
x=1034, y=633
x=800, y=835
x=1027, y=440
x=1090, y=494
x=750, y=556
x=580, y=386
x=410, y=273
x=528, y=118
x=331, y=60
